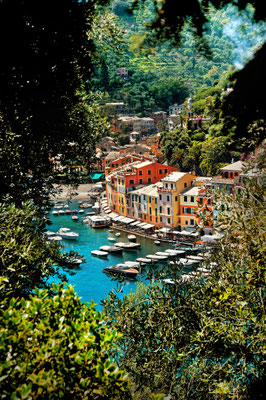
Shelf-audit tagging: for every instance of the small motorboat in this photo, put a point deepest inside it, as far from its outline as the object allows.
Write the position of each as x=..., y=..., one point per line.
x=122, y=269
x=68, y=212
x=132, y=238
x=61, y=212
x=75, y=218
x=162, y=253
x=81, y=211
x=112, y=239
x=156, y=257
x=110, y=230
x=55, y=212
x=157, y=242
x=99, y=253
x=144, y=260
x=50, y=233
x=117, y=234
x=55, y=238
x=66, y=233
x=128, y=245
x=112, y=249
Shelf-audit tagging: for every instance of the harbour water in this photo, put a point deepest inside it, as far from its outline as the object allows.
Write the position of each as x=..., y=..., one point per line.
x=89, y=281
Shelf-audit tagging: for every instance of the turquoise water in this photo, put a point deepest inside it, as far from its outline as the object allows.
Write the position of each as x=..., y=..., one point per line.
x=89, y=281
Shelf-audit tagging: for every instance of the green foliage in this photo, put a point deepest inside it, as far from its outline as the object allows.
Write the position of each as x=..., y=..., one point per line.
x=27, y=259
x=53, y=346
x=205, y=338
x=42, y=104
x=214, y=155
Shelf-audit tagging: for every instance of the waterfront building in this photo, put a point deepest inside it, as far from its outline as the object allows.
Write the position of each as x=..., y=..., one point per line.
x=188, y=208
x=144, y=203
x=130, y=177
x=169, y=201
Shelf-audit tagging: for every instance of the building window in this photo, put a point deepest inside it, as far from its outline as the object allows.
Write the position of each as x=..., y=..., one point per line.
x=116, y=165
x=175, y=198
x=160, y=197
x=192, y=222
x=166, y=171
x=122, y=209
x=231, y=174
x=145, y=216
x=168, y=198
x=209, y=202
x=122, y=182
x=155, y=211
x=169, y=220
x=131, y=182
x=149, y=199
x=160, y=171
x=186, y=222
x=185, y=198
x=172, y=186
x=161, y=219
x=168, y=211
x=156, y=219
x=149, y=210
x=140, y=181
x=185, y=184
x=149, y=172
x=118, y=181
x=140, y=172
x=201, y=200
x=149, y=180
x=150, y=218
x=236, y=173
x=192, y=199
x=160, y=209
x=113, y=165
x=166, y=185
x=155, y=200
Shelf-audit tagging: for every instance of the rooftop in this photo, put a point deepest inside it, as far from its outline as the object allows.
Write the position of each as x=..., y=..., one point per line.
x=174, y=176
x=192, y=191
x=236, y=166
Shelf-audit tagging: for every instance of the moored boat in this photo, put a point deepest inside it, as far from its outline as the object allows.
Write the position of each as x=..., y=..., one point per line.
x=98, y=222
x=99, y=253
x=66, y=233
x=128, y=245
x=132, y=238
x=123, y=270
x=75, y=218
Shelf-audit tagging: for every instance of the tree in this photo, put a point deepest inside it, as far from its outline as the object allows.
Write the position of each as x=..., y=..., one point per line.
x=47, y=57
x=27, y=259
x=214, y=155
x=54, y=346
x=246, y=104
x=204, y=338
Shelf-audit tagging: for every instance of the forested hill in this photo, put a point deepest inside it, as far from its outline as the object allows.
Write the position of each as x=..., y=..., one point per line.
x=160, y=75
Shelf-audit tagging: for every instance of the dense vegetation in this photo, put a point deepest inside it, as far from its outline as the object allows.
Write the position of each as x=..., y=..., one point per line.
x=205, y=338
x=204, y=341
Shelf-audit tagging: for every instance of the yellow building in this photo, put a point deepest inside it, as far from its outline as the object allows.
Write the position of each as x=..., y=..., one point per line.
x=169, y=201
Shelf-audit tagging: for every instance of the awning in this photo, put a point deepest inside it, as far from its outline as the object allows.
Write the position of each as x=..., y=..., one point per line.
x=108, y=211
x=127, y=220
x=142, y=224
x=165, y=230
x=136, y=223
x=147, y=226
x=119, y=218
x=96, y=176
x=113, y=215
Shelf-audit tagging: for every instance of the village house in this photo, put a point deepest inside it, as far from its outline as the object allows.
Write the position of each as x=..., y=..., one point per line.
x=169, y=201
x=144, y=203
